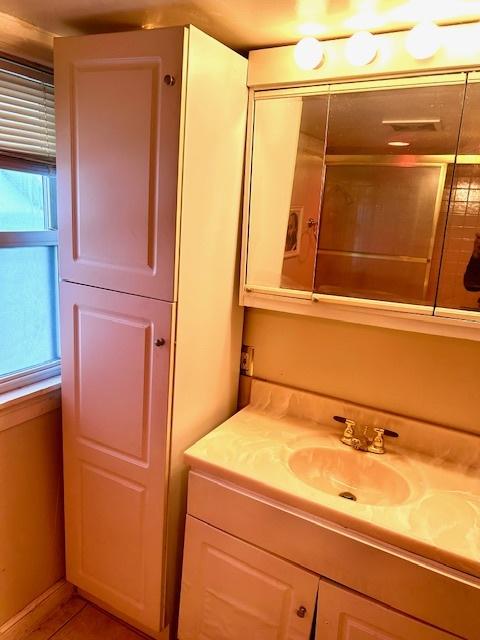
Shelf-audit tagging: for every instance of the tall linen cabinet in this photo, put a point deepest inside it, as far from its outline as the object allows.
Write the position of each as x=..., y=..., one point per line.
x=150, y=146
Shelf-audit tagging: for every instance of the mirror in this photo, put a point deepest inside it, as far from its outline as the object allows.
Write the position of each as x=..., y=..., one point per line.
x=354, y=192
x=381, y=225
x=286, y=184
x=459, y=285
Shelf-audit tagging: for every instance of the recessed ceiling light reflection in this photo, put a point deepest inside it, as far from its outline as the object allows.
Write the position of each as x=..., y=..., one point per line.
x=399, y=143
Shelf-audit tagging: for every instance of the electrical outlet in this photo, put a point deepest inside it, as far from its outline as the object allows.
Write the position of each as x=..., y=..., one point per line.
x=246, y=360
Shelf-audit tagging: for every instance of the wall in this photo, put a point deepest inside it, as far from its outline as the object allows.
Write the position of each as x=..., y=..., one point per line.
x=31, y=487
x=21, y=39
x=31, y=514
x=427, y=377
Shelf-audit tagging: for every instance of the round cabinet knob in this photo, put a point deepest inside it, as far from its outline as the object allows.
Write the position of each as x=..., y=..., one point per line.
x=159, y=342
x=301, y=612
x=169, y=80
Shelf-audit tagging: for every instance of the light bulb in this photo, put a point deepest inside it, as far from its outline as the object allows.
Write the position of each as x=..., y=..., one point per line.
x=308, y=53
x=361, y=48
x=423, y=41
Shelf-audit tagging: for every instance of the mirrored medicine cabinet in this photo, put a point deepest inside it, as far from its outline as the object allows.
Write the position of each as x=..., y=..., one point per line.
x=365, y=197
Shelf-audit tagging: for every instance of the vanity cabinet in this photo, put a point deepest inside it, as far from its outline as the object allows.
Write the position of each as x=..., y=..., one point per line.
x=232, y=590
x=150, y=141
x=363, y=202
x=346, y=615
x=241, y=541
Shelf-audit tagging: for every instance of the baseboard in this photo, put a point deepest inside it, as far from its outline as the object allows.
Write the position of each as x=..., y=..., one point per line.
x=36, y=612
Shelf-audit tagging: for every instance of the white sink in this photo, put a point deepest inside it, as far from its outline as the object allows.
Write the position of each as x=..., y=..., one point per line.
x=361, y=476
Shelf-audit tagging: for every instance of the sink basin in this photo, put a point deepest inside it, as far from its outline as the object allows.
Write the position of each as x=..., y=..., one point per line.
x=357, y=475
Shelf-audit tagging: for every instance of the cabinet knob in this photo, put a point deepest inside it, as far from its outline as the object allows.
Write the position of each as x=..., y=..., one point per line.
x=301, y=612
x=169, y=80
x=159, y=342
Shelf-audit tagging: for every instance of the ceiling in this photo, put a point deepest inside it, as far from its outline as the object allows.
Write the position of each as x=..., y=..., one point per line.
x=241, y=24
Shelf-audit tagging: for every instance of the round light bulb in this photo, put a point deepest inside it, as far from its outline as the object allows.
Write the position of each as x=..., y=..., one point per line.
x=308, y=53
x=361, y=48
x=423, y=41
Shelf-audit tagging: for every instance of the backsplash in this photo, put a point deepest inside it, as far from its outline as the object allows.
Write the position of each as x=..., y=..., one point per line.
x=429, y=439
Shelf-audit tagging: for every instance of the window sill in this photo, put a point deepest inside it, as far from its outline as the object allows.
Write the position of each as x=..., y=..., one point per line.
x=19, y=405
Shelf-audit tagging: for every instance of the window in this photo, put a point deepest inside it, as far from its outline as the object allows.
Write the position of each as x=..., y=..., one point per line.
x=29, y=345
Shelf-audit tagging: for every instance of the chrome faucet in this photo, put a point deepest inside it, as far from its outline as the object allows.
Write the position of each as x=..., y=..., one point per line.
x=363, y=441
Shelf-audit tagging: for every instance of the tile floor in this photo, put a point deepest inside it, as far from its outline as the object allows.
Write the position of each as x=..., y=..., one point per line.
x=78, y=620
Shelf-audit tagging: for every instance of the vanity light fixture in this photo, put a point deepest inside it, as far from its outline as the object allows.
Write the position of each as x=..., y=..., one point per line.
x=361, y=48
x=423, y=41
x=399, y=143
x=308, y=53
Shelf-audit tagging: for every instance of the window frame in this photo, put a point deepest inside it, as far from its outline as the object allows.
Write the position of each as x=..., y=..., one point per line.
x=46, y=238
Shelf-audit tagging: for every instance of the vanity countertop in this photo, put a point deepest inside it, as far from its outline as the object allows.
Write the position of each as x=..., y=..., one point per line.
x=440, y=518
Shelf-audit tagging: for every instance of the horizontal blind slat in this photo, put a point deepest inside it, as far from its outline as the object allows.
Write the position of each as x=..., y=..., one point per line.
x=23, y=81
x=12, y=112
x=27, y=115
x=28, y=127
x=10, y=97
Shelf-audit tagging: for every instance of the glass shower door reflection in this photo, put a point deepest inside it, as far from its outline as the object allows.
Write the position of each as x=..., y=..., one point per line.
x=390, y=154
x=377, y=231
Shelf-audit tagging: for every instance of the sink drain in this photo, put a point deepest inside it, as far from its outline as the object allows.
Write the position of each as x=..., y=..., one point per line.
x=348, y=496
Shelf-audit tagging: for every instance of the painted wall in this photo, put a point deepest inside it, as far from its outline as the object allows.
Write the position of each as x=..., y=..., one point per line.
x=24, y=40
x=427, y=377
x=31, y=485
x=31, y=511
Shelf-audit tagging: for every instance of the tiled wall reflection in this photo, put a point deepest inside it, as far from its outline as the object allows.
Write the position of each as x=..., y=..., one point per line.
x=463, y=223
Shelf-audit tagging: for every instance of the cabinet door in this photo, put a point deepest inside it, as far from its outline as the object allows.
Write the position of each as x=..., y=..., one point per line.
x=118, y=122
x=344, y=615
x=115, y=397
x=232, y=590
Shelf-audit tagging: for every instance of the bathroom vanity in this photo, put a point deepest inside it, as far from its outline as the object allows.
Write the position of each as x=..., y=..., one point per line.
x=273, y=550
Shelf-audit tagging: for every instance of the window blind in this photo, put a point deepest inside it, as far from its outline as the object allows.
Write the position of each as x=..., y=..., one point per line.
x=27, y=113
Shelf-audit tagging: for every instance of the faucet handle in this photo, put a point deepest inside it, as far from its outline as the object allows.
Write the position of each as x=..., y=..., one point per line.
x=377, y=444
x=390, y=434
x=349, y=431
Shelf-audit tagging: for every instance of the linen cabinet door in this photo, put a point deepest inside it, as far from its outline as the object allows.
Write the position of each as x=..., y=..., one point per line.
x=115, y=398
x=232, y=590
x=345, y=615
x=118, y=123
